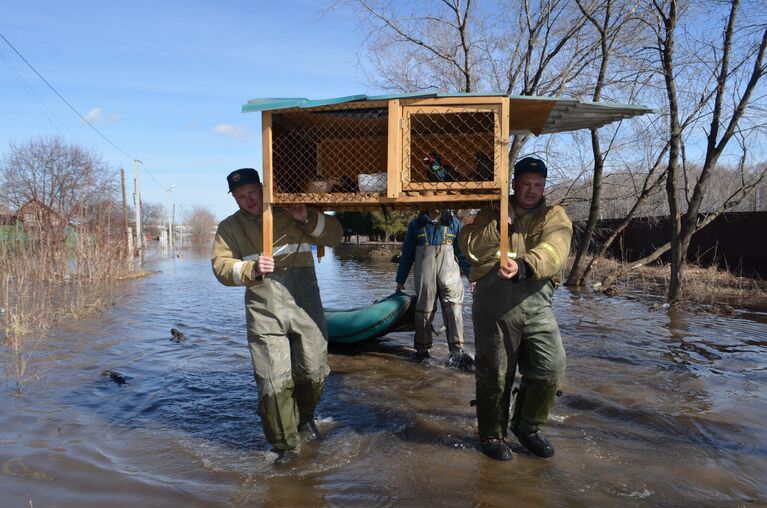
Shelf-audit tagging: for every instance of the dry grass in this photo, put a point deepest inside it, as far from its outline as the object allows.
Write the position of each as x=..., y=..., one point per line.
x=710, y=286
x=47, y=277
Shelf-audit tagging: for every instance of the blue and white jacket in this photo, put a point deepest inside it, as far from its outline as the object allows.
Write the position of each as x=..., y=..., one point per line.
x=423, y=231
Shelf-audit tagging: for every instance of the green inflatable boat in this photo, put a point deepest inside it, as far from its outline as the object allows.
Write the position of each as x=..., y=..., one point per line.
x=394, y=313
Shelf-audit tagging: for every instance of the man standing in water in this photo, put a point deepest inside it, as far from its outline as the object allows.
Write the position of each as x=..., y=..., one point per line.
x=432, y=245
x=287, y=334
x=514, y=325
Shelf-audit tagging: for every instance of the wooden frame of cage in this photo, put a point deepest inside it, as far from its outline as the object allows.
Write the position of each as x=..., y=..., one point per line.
x=401, y=192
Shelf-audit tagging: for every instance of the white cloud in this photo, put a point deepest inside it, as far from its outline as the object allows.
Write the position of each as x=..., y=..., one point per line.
x=96, y=115
x=236, y=132
x=93, y=115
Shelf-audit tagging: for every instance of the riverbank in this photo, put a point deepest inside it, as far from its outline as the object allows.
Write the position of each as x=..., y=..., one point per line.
x=709, y=289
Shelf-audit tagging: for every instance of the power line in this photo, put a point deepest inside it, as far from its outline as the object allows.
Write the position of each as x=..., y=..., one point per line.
x=64, y=100
x=39, y=102
x=152, y=176
x=78, y=113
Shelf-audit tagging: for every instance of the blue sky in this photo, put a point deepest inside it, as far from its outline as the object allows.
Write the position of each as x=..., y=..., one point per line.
x=165, y=81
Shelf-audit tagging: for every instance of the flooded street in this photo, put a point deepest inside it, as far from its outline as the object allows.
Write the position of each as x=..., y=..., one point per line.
x=660, y=408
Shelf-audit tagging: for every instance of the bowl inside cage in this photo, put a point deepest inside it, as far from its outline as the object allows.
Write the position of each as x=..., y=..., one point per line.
x=374, y=182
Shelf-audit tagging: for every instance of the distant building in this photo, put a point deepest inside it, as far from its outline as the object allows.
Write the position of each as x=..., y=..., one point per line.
x=40, y=219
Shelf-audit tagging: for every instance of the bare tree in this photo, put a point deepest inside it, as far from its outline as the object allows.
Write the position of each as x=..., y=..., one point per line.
x=152, y=215
x=418, y=46
x=201, y=223
x=712, y=86
x=608, y=25
x=66, y=178
x=730, y=85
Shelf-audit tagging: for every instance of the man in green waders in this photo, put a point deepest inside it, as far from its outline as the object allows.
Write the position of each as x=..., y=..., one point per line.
x=514, y=326
x=287, y=334
x=431, y=244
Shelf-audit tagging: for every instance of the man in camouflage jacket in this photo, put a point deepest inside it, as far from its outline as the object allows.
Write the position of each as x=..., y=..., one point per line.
x=514, y=326
x=287, y=334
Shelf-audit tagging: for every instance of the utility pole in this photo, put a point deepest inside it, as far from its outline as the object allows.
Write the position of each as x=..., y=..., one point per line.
x=171, y=211
x=126, y=230
x=181, y=223
x=137, y=204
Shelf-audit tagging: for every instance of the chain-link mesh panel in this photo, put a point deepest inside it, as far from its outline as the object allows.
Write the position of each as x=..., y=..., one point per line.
x=327, y=150
x=449, y=148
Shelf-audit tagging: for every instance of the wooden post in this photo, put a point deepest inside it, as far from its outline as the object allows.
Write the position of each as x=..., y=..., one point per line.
x=504, y=174
x=266, y=155
x=126, y=227
x=394, y=155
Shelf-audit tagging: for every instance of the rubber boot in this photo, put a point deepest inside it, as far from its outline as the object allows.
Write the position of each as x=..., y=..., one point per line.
x=495, y=449
x=285, y=456
x=309, y=431
x=421, y=355
x=460, y=359
x=531, y=409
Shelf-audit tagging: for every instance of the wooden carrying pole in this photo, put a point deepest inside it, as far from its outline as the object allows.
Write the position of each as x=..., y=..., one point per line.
x=266, y=148
x=504, y=175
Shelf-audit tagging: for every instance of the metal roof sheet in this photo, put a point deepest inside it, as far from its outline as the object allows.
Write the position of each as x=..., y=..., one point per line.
x=539, y=115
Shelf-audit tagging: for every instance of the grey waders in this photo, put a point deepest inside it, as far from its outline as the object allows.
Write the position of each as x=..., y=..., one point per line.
x=438, y=277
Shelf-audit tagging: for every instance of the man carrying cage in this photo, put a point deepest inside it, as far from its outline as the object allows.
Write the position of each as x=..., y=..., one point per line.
x=287, y=333
x=514, y=326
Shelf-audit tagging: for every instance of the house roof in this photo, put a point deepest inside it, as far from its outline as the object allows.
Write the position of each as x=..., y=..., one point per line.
x=34, y=202
x=539, y=115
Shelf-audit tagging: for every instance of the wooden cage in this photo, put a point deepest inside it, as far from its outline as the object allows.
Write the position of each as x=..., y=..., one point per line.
x=397, y=153
x=405, y=151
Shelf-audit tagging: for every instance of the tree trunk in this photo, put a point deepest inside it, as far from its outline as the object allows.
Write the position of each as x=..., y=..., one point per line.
x=666, y=49
x=576, y=276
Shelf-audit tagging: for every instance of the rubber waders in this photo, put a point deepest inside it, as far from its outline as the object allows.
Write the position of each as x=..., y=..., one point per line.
x=453, y=318
x=493, y=400
x=307, y=395
x=279, y=416
x=532, y=405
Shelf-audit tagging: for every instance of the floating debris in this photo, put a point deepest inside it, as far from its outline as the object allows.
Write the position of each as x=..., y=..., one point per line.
x=380, y=254
x=114, y=376
x=176, y=335
x=722, y=310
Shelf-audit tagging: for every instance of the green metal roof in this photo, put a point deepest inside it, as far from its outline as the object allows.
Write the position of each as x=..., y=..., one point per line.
x=539, y=115
x=269, y=104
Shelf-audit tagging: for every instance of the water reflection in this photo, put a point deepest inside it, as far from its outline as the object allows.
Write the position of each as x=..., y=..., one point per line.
x=659, y=407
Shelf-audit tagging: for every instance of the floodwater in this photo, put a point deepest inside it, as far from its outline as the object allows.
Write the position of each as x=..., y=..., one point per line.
x=660, y=408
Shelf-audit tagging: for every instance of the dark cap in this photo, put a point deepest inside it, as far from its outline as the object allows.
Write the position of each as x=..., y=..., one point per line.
x=241, y=177
x=530, y=165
